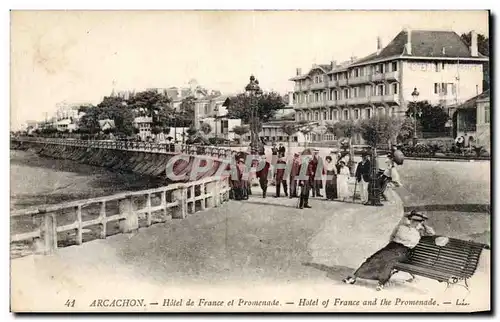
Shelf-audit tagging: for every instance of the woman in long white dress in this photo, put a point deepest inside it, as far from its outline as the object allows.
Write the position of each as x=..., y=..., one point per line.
x=342, y=179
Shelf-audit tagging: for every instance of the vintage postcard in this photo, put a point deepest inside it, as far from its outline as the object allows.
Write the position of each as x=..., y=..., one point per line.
x=250, y=161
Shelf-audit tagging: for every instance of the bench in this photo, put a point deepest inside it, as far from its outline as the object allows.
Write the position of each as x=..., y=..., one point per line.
x=454, y=262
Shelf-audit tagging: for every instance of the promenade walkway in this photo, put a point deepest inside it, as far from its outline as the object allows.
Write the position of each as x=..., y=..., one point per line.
x=257, y=249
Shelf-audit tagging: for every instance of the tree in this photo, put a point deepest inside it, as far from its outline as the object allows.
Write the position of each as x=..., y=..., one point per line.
x=89, y=123
x=289, y=129
x=379, y=129
x=266, y=106
x=186, y=113
x=116, y=109
x=406, y=130
x=305, y=128
x=347, y=129
x=376, y=130
x=483, y=45
x=431, y=119
x=206, y=128
x=153, y=104
x=241, y=130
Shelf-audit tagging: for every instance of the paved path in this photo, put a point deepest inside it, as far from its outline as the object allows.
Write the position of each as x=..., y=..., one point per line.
x=257, y=249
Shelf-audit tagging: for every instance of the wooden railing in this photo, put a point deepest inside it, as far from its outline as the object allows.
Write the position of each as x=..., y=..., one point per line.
x=212, y=151
x=173, y=201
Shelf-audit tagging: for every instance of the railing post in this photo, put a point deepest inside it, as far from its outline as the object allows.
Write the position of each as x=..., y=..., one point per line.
x=148, y=207
x=212, y=189
x=48, y=234
x=203, y=201
x=79, y=230
x=180, y=195
x=193, y=200
x=131, y=221
x=102, y=220
x=164, y=203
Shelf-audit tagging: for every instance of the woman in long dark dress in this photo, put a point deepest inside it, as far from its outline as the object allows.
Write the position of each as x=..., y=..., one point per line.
x=331, y=179
x=405, y=236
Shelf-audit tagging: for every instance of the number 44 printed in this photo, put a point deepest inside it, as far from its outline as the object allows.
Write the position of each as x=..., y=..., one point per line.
x=70, y=303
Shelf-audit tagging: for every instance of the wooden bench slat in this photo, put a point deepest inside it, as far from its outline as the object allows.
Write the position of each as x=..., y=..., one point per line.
x=457, y=259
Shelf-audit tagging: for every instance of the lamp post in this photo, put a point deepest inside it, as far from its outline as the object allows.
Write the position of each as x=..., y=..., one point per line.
x=216, y=110
x=415, y=95
x=253, y=91
x=175, y=126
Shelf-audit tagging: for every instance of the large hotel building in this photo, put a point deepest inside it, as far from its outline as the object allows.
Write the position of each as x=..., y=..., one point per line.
x=442, y=68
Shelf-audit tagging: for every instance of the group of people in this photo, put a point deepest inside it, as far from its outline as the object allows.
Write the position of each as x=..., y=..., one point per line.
x=306, y=173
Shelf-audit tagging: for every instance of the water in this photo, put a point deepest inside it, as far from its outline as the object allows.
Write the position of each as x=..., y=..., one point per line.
x=37, y=181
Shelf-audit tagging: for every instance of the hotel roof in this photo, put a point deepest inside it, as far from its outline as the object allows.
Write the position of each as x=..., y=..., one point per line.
x=424, y=44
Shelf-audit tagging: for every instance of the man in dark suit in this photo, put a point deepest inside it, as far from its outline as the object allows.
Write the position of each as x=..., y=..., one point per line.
x=281, y=151
x=317, y=162
x=280, y=177
x=263, y=173
x=306, y=169
x=363, y=171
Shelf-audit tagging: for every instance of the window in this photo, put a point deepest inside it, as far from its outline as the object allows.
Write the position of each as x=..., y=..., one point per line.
x=336, y=95
x=368, y=113
x=324, y=96
x=356, y=114
x=316, y=116
x=444, y=89
x=331, y=95
x=355, y=92
x=394, y=66
x=394, y=88
x=436, y=66
x=386, y=90
x=335, y=115
x=487, y=113
x=346, y=114
x=356, y=72
x=346, y=93
x=368, y=90
x=380, y=68
x=380, y=90
x=436, y=88
x=316, y=97
x=325, y=115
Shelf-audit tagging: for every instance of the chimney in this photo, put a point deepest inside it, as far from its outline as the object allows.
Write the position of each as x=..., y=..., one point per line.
x=379, y=44
x=473, y=44
x=333, y=64
x=408, y=41
x=299, y=71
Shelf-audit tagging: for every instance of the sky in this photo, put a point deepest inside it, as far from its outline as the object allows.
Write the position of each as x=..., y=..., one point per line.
x=80, y=56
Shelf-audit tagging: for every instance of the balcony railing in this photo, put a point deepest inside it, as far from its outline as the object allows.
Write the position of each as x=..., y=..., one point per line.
x=392, y=75
x=318, y=85
x=333, y=83
x=391, y=98
x=359, y=80
x=342, y=82
x=358, y=100
x=378, y=77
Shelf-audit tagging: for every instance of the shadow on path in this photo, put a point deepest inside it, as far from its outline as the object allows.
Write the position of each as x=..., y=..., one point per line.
x=336, y=272
x=270, y=204
x=482, y=208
